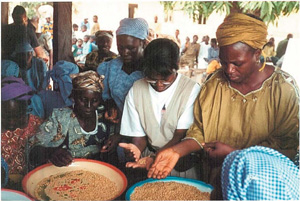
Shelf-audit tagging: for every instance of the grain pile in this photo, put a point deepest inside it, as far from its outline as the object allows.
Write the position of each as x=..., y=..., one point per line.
x=76, y=185
x=168, y=191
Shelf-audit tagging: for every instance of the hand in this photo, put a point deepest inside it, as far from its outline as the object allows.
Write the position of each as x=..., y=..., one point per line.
x=111, y=143
x=61, y=157
x=131, y=150
x=145, y=162
x=164, y=163
x=112, y=115
x=217, y=150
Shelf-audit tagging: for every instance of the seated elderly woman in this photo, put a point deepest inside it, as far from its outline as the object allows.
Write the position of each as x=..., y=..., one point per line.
x=16, y=127
x=244, y=103
x=76, y=132
x=96, y=57
x=158, y=109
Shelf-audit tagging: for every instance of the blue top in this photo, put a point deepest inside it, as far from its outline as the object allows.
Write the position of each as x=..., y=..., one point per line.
x=213, y=54
x=117, y=82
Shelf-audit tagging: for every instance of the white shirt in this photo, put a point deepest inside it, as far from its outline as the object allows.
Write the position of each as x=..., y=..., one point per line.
x=131, y=124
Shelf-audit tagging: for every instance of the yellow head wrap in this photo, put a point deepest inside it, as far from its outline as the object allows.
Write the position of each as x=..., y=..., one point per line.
x=239, y=27
x=89, y=80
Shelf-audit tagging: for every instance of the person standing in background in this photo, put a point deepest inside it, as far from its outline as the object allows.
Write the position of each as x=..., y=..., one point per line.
x=96, y=25
x=48, y=26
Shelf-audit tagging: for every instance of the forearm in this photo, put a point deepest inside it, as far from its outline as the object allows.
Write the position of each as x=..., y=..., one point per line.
x=186, y=147
x=178, y=136
x=140, y=142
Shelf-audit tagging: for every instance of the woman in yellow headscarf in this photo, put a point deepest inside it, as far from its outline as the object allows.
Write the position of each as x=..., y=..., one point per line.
x=244, y=103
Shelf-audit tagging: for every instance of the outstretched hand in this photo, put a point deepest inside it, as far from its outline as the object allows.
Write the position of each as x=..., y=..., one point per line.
x=164, y=163
x=145, y=162
x=131, y=150
x=111, y=143
x=61, y=157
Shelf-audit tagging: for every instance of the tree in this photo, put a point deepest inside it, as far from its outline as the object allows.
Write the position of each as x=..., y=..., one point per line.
x=268, y=11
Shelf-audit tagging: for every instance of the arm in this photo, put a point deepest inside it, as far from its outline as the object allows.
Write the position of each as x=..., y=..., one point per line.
x=179, y=134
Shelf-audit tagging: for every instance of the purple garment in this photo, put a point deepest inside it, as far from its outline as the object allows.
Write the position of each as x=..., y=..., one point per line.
x=14, y=88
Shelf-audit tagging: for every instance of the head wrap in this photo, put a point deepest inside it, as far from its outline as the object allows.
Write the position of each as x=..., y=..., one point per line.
x=239, y=27
x=22, y=48
x=136, y=27
x=9, y=68
x=259, y=173
x=88, y=80
x=62, y=80
x=100, y=34
x=14, y=88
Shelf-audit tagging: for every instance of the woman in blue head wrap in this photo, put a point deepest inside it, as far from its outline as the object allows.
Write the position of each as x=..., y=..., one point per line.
x=16, y=127
x=122, y=72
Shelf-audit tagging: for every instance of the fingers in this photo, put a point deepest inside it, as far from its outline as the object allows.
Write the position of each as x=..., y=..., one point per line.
x=61, y=158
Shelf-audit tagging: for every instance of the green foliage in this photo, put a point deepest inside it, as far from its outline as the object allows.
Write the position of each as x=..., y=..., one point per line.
x=31, y=7
x=268, y=11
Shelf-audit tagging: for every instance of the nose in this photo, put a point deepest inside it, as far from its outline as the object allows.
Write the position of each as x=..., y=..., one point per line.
x=125, y=52
x=159, y=83
x=230, y=68
x=88, y=104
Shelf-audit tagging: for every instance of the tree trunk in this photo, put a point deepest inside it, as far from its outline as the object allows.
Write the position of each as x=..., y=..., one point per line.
x=62, y=32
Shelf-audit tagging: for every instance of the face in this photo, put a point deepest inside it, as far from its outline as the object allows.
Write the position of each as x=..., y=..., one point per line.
x=13, y=114
x=83, y=28
x=160, y=83
x=85, y=21
x=104, y=44
x=79, y=42
x=195, y=39
x=86, y=102
x=24, y=59
x=75, y=28
x=85, y=39
x=130, y=48
x=176, y=32
x=95, y=19
x=239, y=61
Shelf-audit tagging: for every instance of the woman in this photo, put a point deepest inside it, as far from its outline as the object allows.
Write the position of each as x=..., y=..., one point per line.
x=123, y=71
x=16, y=127
x=73, y=133
x=159, y=108
x=103, y=41
x=244, y=103
x=213, y=57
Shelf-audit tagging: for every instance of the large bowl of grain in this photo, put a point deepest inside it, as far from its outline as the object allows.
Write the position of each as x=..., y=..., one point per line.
x=83, y=179
x=169, y=188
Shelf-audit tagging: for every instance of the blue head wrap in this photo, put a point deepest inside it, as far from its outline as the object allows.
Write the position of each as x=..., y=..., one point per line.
x=9, y=68
x=136, y=27
x=259, y=173
x=62, y=80
x=22, y=48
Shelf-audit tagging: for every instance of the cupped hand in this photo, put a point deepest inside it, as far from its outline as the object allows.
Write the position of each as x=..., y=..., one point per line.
x=145, y=162
x=61, y=157
x=164, y=163
x=217, y=150
x=112, y=115
x=111, y=143
x=131, y=150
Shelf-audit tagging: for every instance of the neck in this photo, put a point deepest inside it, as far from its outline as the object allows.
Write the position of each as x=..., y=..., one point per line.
x=129, y=68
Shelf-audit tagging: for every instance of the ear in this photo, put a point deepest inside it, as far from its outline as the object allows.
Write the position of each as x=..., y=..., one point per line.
x=257, y=54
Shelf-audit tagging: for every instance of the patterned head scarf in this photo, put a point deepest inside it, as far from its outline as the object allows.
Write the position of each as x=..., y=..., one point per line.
x=14, y=88
x=89, y=80
x=136, y=27
x=259, y=173
x=239, y=27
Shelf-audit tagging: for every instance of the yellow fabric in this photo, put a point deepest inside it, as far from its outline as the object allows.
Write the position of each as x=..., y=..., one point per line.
x=268, y=116
x=212, y=66
x=239, y=27
x=88, y=80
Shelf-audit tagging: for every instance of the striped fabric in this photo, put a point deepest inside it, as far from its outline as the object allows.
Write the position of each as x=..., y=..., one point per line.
x=259, y=173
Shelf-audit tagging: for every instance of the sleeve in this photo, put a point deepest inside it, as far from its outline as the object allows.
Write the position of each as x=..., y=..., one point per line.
x=131, y=124
x=36, y=106
x=285, y=135
x=33, y=39
x=187, y=118
x=196, y=132
x=103, y=70
x=51, y=133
